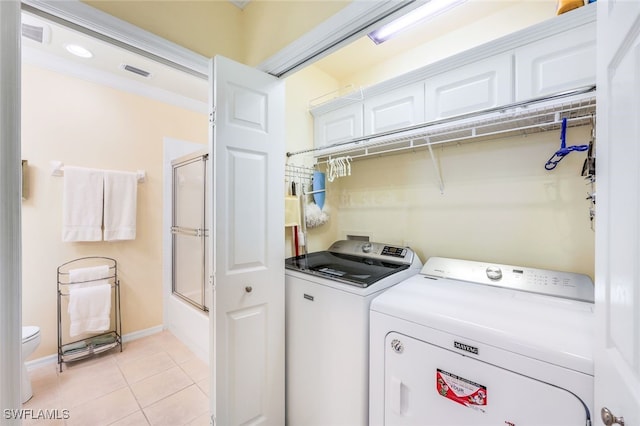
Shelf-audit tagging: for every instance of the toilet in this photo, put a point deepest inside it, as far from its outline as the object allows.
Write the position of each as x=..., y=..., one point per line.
x=30, y=341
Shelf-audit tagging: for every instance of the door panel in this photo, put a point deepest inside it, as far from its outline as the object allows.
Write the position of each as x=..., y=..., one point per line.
x=247, y=142
x=248, y=361
x=247, y=215
x=429, y=385
x=340, y=125
x=470, y=88
x=617, y=367
x=555, y=64
x=400, y=108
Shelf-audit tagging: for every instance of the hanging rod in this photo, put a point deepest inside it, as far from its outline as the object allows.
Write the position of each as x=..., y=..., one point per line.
x=469, y=123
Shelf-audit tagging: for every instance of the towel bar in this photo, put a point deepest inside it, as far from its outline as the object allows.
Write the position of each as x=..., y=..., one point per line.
x=57, y=169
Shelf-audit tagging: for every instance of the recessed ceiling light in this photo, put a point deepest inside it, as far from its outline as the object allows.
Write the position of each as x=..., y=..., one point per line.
x=78, y=50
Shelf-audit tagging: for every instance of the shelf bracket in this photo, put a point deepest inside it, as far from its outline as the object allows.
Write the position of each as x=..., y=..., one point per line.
x=436, y=168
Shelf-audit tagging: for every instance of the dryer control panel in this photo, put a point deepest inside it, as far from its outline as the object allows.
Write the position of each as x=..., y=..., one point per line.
x=552, y=283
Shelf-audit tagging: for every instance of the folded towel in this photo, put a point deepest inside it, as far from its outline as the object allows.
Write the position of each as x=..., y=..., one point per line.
x=102, y=340
x=120, y=198
x=89, y=309
x=92, y=275
x=74, y=347
x=82, y=204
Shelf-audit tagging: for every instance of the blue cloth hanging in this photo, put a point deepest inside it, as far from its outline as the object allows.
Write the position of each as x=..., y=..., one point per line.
x=564, y=150
x=318, y=189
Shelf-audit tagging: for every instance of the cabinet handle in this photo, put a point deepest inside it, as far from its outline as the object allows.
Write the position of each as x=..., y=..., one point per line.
x=248, y=289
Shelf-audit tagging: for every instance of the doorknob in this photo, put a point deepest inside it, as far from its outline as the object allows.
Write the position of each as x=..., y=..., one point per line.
x=609, y=419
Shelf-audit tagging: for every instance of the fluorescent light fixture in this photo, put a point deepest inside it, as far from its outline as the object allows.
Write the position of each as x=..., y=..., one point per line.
x=423, y=13
x=78, y=50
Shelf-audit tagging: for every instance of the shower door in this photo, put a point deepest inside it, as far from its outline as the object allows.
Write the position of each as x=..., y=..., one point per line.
x=189, y=231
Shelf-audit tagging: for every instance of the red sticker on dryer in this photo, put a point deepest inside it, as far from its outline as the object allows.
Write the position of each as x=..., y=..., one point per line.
x=461, y=390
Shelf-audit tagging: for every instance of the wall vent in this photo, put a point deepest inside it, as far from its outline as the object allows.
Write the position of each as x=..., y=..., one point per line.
x=33, y=32
x=141, y=72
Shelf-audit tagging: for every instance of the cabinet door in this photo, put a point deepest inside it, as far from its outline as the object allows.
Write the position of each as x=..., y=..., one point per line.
x=557, y=64
x=338, y=125
x=474, y=87
x=399, y=108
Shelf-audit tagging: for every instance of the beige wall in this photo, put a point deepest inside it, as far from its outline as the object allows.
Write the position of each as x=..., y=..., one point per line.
x=302, y=86
x=85, y=124
x=268, y=26
x=499, y=203
x=206, y=27
x=217, y=27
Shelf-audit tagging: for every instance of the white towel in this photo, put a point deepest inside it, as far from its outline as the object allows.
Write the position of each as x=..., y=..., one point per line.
x=82, y=204
x=89, y=309
x=92, y=275
x=120, y=198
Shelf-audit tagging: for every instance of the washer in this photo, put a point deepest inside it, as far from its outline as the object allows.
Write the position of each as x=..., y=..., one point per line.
x=472, y=343
x=328, y=294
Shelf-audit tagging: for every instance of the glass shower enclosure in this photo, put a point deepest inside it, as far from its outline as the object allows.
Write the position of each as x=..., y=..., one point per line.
x=189, y=230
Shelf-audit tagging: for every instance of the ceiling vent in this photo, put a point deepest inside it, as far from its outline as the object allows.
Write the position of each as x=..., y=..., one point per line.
x=141, y=72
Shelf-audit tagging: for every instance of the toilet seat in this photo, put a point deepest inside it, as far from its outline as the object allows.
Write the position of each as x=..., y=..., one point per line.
x=29, y=333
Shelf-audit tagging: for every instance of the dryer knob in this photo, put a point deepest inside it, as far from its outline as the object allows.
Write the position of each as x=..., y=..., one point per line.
x=494, y=273
x=366, y=247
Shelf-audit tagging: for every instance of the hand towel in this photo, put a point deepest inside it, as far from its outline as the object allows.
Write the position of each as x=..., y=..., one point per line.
x=120, y=202
x=89, y=309
x=92, y=275
x=82, y=204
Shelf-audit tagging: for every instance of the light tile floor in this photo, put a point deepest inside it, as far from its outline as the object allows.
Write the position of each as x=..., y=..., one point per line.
x=155, y=380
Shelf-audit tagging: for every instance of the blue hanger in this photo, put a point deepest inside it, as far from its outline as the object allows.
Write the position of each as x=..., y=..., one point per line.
x=564, y=150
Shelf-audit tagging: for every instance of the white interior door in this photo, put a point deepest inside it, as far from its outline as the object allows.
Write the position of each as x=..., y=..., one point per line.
x=617, y=368
x=247, y=142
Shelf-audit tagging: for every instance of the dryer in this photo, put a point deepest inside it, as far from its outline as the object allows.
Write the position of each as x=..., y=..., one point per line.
x=472, y=343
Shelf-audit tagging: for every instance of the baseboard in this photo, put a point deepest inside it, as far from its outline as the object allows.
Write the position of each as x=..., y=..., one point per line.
x=53, y=359
x=142, y=333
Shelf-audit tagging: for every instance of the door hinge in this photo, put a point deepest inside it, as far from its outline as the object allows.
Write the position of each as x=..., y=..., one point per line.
x=212, y=281
x=212, y=117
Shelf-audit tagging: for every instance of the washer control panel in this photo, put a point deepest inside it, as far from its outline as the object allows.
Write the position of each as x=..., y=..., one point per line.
x=373, y=250
x=552, y=283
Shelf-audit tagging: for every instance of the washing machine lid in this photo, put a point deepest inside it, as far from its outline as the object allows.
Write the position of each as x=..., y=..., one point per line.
x=551, y=329
x=358, y=263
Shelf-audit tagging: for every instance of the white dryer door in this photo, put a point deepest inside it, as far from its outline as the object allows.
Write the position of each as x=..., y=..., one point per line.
x=427, y=385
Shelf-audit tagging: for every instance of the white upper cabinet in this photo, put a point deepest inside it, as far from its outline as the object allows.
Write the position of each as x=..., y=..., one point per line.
x=554, y=56
x=338, y=125
x=393, y=110
x=555, y=64
x=477, y=86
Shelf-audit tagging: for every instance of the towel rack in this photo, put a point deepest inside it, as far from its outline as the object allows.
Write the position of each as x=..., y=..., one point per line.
x=57, y=169
x=92, y=343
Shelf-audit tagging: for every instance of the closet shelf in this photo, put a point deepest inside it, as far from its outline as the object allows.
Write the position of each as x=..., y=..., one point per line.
x=522, y=118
